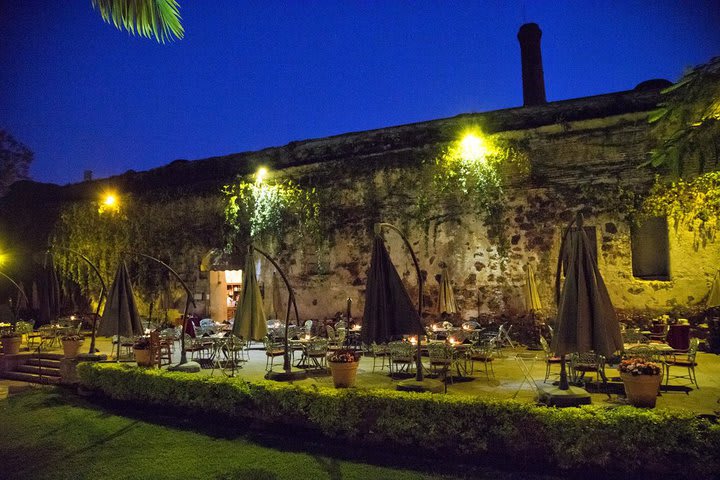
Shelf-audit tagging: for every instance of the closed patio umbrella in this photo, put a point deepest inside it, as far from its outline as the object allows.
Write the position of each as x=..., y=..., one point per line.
x=389, y=312
x=532, y=298
x=48, y=293
x=714, y=295
x=446, y=298
x=120, y=316
x=250, y=322
x=586, y=318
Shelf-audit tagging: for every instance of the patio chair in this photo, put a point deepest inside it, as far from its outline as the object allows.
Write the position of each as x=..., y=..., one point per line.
x=168, y=337
x=193, y=345
x=273, y=349
x=333, y=344
x=484, y=353
x=588, y=362
x=550, y=359
x=441, y=358
x=379, y=351
x=316, y=353
x=402, y=357
x=687, y=360
x=24, y=329
x=159, y=350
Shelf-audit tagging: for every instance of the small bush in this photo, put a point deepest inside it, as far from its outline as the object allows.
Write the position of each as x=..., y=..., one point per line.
x=623, y=438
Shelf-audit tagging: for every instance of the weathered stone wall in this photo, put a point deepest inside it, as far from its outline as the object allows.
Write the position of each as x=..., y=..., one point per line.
x=588, y=166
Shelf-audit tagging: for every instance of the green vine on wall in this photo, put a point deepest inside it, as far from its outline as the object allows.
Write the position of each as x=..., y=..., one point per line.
x=268, y=211
x=693, y=203
x=466, y=177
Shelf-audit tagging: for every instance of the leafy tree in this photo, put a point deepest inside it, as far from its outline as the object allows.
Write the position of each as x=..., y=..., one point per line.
x=687, y=123
x=15, y=159
x=149, y=18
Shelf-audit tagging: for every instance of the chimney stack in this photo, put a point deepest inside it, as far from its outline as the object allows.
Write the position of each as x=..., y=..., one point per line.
x=532, y=69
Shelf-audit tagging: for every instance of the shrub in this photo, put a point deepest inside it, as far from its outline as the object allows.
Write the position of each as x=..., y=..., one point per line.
x=622, y=438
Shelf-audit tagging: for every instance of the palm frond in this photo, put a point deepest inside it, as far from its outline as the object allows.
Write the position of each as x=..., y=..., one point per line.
x=149, y=18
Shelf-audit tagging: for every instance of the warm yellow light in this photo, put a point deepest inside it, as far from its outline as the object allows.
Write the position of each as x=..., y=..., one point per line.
x=261, y=174
x=473, y=148
x=110, y=200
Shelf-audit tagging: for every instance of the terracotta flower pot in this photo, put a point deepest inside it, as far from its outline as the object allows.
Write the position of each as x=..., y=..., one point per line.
x=11, y=345
x=343, y=373
x=71, y=348
x=641, y=390
x=142, y=357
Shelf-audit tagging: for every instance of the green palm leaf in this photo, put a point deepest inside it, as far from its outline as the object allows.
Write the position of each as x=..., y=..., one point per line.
x=149, y=18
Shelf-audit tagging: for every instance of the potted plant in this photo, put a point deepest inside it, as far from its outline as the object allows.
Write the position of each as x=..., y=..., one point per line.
x=641, y=379
x=343, y=367
x=71, y=343
x=10, y=342
x=143, y=356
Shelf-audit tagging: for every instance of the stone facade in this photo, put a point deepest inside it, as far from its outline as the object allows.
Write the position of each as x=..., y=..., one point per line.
x=583, y=156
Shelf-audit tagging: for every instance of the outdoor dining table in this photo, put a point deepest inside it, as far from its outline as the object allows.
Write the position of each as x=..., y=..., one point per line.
x=303, y=343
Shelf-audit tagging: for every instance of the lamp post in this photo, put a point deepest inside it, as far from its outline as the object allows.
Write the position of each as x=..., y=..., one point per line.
x=419, y=383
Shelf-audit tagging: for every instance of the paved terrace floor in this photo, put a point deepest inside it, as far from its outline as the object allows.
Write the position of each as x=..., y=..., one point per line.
x=507, y=382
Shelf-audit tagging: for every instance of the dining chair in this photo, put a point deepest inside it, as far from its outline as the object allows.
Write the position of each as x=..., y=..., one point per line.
x=483, y=352
x=587, y=362
x=441, y=357
x=686, y=360
x=273, y=349
x=379, y=351
x=402, y=357
x=316, y=353
x=550, y=359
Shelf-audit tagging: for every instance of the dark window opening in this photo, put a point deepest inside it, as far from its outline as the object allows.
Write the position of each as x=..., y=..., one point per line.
x=650, y=249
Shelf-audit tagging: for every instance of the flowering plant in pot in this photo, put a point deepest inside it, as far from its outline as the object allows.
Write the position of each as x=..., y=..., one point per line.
x=343, y=367
x=71, y=343
x=641, y=379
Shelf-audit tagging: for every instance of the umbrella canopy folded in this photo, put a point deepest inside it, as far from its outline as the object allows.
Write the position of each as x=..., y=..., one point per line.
x=250, y=322
x=532, y=297
x=389, y=312
x=49, y=293
x=586, y=318
x=714, y=296
x=446, y=298
x=121, y=315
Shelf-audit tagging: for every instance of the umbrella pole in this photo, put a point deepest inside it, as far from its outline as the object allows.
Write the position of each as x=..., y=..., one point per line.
x=563, y=375
x=94, y=323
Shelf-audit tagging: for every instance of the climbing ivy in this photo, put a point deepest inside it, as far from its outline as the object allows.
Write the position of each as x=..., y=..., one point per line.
x=456, y=182
x=267, y=212
x=693, y=203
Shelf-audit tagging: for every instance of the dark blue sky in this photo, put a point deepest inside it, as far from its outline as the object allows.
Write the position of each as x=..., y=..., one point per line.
x=248, y=75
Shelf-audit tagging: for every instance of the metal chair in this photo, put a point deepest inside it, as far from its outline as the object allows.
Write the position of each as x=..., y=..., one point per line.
x=273, y=349
x=550, y=358
x=402, y=357
x=483, y=352
x=316, y=353
x=588, y=362
x=687, y=360
x=441, y=358
x=380, y=351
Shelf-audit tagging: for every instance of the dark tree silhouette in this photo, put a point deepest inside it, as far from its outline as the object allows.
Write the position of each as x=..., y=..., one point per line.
x=15, y=159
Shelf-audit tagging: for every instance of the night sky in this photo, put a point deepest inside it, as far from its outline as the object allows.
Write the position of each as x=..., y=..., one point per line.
x=85, y=96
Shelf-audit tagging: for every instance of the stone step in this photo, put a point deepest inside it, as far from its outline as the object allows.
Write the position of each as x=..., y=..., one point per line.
x=45, y=362
x=37, y=370
x=29, y=377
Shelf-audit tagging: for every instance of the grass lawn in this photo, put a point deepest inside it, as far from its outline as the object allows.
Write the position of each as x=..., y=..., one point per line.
x=53, y=434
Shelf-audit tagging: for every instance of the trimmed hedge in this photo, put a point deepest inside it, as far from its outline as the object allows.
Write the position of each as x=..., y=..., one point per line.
x=625, y=439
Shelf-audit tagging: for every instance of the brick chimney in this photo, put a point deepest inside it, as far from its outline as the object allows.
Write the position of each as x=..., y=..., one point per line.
x=532, y=69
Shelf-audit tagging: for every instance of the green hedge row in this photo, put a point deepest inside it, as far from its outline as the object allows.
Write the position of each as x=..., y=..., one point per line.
x=621, y=438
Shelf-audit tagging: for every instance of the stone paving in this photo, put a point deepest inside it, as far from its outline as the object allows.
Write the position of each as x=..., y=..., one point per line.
x=507, y=382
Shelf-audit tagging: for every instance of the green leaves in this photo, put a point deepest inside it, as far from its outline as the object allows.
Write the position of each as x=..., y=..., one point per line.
x=149, y=18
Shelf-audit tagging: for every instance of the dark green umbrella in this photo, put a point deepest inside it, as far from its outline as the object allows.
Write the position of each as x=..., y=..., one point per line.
x=120, y=316
x=389, y=313
x=250, y=322
x=586, y=318
x=49, y=293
